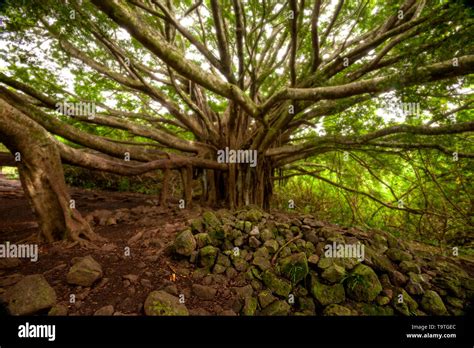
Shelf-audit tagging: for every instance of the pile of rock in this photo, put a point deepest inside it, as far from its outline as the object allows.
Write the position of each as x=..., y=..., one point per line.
x=287, y=271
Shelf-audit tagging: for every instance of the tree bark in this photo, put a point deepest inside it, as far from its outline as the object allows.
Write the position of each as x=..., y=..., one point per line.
x=42, y=177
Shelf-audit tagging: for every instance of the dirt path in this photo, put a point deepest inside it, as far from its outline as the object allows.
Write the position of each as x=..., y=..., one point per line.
x=128, y=277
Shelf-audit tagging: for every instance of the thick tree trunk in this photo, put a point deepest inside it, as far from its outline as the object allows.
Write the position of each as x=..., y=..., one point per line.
x=42, y=177
x=242, y=185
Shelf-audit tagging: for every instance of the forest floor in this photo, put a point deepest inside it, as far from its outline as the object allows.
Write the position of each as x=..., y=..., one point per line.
x=135, y=258
x=127, y=280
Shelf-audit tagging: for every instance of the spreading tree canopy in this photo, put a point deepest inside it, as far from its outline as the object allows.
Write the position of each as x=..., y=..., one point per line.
x=173, y=82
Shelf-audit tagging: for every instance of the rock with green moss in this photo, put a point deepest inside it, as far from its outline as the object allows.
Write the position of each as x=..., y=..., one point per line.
x=422, y=279
x=185, y=243
x=455, y=302
x=468, y=284
x=30, y=295
x=262, y=252
x=375, y=310
x=404, y=303
x=239, y=225
x=271, y=245
x=266, y=234
x=433, y=304
x=197, y=225
x=380, y=242
x=86, y=271
x=262, y=263
x=213, y=225
x=451, y=283
x=265, y=297
x=410, y=266
x=202, y=239
x=247, y=227
x=347, y=262
x=240, y=264
x=306, y=305
x=327, y=294
x=336, y=310
x=223, y=260
x=161, y=303
x=207, y=256
x=334, y=273
x=200, y=273
x=277, y=285
x=414, y=288
x=218, y=269
x=325, y=262
x=382, y=263
x=276, y=308
x=392, y=241
x=250, y=306
x=294, y=267
x=382, y=300
x=58, y=310
x=363, y=284
x=254, y=215
x=398, y=255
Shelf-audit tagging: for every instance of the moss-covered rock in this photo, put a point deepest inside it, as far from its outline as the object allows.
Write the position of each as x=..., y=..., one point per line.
x=294, y=267
x=30, y=295
x=375, y=310
x=334, y=273
x=207, y=256
x=202, y=239
x=266, y=234
x=277, y=285
x=265, y=297
x=451, y=283
x=306, y=305
x=327, y=294
x=382, y=300
x=197, y=226
x=185, y=243
x=247, y=227
x=250, y=306
x=414, y=288
x=382, y=263
x=336, y=310
x=398, y=255
x=276, y=308
x=262, y=263
x=271, y=245
x=213, y=225
x=85, y=271
x=363, y=284
x=433, y=304
x=254, y=215
x=410, y=266
x=325, y=262
x=223, y=260
x=161, y=303
x=239, y=225
x=404, y=303
x=240, y=264
x=455, y=302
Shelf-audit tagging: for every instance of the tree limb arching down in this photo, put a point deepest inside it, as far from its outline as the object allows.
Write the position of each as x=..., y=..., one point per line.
x=182, y=80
